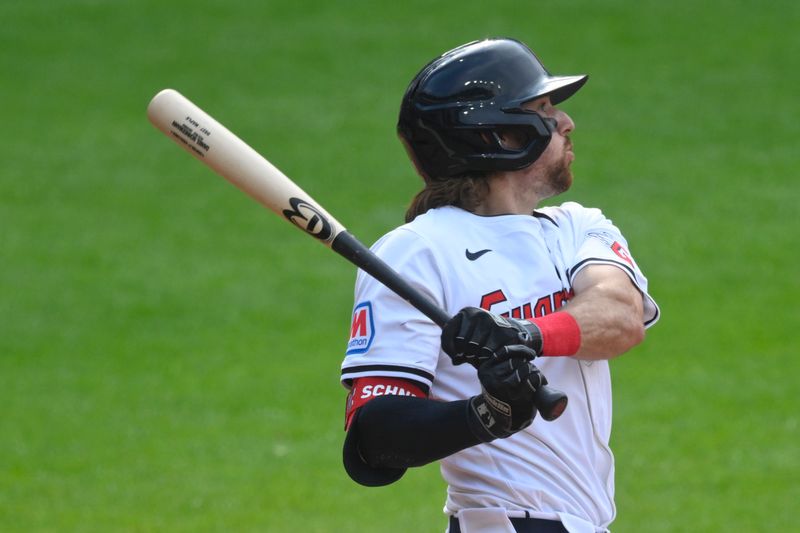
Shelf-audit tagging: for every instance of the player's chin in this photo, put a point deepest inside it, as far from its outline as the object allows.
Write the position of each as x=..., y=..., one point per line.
x=559, y=182
x=565, y=183
x=562, y=177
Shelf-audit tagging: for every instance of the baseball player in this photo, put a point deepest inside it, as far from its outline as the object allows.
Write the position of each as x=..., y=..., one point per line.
x=554, y=286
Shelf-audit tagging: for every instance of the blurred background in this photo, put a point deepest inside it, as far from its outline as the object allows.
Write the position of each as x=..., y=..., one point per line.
x=170, y=351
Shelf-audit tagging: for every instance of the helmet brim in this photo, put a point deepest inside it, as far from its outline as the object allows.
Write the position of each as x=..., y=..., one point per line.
x=558, y=88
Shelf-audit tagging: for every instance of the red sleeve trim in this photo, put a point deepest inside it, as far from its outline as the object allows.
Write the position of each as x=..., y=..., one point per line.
x=366, y=389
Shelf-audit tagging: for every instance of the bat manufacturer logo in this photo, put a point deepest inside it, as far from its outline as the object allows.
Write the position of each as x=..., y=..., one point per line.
x=193, y=140
x=308, y=218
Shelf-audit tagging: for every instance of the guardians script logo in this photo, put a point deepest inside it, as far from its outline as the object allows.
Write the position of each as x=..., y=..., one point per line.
x=541, y=307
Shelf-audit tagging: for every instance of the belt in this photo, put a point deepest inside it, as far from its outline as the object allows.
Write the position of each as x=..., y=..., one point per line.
x=522, y=525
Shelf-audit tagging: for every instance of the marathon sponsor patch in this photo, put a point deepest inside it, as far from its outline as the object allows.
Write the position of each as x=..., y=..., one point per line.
x=362, y=329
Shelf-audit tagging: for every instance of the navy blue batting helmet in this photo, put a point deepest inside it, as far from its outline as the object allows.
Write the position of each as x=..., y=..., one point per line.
x=457, y=104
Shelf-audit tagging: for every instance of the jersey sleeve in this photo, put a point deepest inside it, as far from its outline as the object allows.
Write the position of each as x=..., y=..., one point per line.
x=595, y=240
x=388, y=336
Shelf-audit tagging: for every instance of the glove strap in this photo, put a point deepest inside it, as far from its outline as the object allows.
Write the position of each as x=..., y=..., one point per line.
x=483, y=420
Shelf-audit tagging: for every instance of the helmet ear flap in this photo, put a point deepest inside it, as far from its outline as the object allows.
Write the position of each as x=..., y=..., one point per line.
x=416, y=155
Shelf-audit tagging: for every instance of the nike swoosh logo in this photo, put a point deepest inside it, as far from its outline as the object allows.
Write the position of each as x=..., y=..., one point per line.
x=472, y=256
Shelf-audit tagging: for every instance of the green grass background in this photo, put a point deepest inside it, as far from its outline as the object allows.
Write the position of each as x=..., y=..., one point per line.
x=169, y=351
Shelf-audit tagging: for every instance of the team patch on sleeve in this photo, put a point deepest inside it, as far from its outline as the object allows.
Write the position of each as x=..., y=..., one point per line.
x=622, y=252
x=362, y=329
x=617, y=247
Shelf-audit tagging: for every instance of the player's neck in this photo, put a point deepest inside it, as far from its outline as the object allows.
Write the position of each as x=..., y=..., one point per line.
x=507, y=196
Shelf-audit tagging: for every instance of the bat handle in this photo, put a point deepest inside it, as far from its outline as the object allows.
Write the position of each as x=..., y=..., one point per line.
x=550, y=402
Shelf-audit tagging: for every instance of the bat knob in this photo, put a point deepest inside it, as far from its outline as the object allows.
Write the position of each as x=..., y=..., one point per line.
x=550, y=402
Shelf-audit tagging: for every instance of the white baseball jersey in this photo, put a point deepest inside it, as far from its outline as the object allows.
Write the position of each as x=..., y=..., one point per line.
x=513, y=265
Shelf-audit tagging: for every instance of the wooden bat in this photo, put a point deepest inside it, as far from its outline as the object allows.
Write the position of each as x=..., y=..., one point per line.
x=217, y=147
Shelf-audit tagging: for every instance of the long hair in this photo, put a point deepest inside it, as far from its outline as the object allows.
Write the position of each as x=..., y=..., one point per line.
x=465, y=191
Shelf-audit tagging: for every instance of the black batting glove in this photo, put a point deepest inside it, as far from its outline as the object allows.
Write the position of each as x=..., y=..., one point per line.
x=507, y=404
x=475, y=336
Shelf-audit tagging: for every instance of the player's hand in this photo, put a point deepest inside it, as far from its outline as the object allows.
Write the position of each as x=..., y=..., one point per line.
x=475, y=336
x=507, y=404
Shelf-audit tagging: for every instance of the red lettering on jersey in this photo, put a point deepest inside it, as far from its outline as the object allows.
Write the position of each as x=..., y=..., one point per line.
x=562, y=297
x=494, y=297
x=359, y=327
x=526, y=311
x=543, y=306
x=366, y=389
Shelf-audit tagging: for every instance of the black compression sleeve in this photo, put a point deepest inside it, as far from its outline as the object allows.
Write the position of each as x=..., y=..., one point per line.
x=404, y=431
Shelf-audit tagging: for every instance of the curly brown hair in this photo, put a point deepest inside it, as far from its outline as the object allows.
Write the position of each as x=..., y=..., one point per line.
x=465, y=191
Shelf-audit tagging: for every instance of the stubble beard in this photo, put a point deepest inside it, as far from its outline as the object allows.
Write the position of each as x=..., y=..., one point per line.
x=558, y=176
x=560, y=179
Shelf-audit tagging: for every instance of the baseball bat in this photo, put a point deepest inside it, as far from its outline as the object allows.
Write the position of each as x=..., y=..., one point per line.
x=217, y=147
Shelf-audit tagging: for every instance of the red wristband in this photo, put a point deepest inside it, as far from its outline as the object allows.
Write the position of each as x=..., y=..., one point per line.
x=561, y=335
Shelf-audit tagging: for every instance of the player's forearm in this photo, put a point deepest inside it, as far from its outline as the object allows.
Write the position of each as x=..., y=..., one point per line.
x=610, y=321
x=404, y=431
